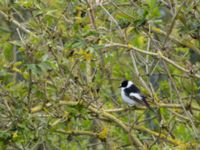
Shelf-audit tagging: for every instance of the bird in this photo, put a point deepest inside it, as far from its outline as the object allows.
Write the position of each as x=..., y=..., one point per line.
x=131, y=94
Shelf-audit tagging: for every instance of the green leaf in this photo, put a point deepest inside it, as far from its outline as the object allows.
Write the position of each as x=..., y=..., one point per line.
x=152, y=3
x=4, y=135
x=8, y=52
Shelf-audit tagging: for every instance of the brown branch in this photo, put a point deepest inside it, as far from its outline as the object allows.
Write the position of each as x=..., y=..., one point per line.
x=133, y=139
x=173, y=23
x=159, y=135
x=114, y=20
x=140, y=128
x=19, y=25
x=180, y=99
x=176, y=40
x=158, y=54
x=160, y=105
x=77, y=132
x=106, y=114
x=91, y=14
x=88, y=133
x=39, y=107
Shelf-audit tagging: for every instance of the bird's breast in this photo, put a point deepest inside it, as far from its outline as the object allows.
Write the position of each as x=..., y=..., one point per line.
x=126, y=99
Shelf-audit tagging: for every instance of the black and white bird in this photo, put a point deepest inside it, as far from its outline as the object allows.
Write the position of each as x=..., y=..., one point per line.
x=131, y=94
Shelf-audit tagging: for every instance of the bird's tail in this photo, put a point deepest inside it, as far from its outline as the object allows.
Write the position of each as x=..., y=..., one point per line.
x=146, y=103
x=150, y=108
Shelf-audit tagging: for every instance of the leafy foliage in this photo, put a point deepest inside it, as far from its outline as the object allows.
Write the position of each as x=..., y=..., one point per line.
x=62, y=61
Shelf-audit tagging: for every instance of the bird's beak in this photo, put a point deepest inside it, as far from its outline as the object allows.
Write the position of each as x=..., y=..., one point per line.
x=119, y=86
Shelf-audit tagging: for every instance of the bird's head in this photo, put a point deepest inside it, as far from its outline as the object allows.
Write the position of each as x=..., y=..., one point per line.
x=124, y=84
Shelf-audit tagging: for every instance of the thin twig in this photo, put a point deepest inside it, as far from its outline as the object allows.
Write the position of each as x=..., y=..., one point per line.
x=180, y=100
x=158, y=54
x=173, y=23
x=17, y=23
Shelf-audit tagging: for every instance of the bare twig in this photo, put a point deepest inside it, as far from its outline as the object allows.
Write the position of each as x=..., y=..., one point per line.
x=173, y=23
x=158, y=54
x=177, y=40
x=106, y=114
x=113, y=19
x=181, y=101
x=16, y=23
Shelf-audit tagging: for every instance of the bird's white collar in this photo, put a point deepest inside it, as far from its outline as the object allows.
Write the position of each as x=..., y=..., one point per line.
x=129, y=84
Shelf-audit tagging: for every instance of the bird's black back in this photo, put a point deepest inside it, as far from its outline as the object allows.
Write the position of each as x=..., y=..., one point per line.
x=131, y=89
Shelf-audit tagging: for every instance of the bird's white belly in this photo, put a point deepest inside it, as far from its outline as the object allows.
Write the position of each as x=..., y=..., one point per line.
x=127, y=99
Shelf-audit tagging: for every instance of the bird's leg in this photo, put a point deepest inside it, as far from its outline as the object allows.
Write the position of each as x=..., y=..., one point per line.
x=134, y=114
x=137, y=118
x=129, y=116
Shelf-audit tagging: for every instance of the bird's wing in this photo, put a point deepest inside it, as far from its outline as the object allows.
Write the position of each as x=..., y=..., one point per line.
x=134, y=89
x=135, y=95
x=139, y=98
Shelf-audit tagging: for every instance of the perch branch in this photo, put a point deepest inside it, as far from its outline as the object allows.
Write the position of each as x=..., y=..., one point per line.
x=135, y=140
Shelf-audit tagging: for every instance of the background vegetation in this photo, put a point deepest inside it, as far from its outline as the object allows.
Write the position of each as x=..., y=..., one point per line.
x=62, y=61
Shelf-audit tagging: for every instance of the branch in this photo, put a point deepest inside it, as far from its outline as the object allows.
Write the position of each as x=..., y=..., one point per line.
x=133, y=138
x=140, y=128
x=160, y=105
x=173, y=23
x=39, y=107
x=137, y=72
x=135, y=141
x=159, y=135
x=174, y=39
x=77, y=132
x=159, y=54
x=143, y=129
x=113, y=19
x=11, y=19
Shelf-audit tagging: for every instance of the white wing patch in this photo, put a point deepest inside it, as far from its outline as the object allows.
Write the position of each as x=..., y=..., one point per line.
x=136, y=95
